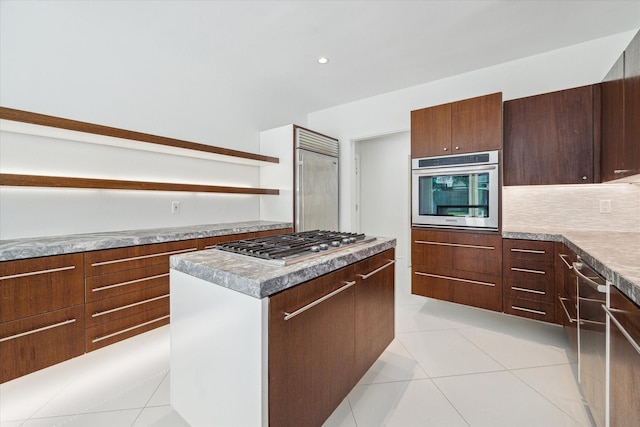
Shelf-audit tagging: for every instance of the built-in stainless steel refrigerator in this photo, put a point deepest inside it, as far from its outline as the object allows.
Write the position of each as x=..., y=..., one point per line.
x=316, y=181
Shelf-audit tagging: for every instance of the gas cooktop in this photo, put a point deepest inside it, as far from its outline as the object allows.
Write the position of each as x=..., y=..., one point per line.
x=294, y=247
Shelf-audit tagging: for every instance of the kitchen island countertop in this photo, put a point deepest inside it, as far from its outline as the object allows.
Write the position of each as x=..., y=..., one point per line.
x=58, y=245
x=613, y=254
x=261, y=278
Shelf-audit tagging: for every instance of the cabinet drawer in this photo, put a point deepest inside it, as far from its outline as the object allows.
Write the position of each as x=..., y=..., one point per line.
x=39, y=285
x=473, y=252
x=121, y=259
x=537, y=290
x=210, y=242
x=529, y=250
x=528, y=308
x=36, y=342
x=110, y=309
x=520, y=269
x=108, y=333
x=469, y=288
x=121, y=282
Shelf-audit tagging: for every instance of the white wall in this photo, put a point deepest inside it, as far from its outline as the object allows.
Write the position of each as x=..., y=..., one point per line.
x=35, y=212
x=277, y=143
x=577, y=65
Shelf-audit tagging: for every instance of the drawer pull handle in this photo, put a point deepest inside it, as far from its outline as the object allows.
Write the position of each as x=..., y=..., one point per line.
x=532, y=291
x=98, y=339
x=347, y=285
x=366, y=276
x=618, y=171
x=528, y=310
x=35, y=273
x=34, y=331
x=115, y=261
x=475, y=282
x=626, y=334
x=457, y=245
x=103, y=288
x=564, y=307
x=528, y=251
x=526, y=270
x=113, y=310
x=563, y=257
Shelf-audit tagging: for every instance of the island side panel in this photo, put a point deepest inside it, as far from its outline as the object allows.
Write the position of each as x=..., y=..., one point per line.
x=218, y=354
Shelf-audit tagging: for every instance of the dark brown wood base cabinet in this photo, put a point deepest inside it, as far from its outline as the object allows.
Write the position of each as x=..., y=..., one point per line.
x=552, y=138
x=567, y=294
x=624, y=361
x=457, y=266
x=529, y=279
x=41, y=313
x=128, y=290
x=323, y=335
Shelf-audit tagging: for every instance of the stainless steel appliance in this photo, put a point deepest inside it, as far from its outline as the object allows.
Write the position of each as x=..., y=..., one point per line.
x=459, y=191
x=592, y=328
x=316, y=181
x=285, y=249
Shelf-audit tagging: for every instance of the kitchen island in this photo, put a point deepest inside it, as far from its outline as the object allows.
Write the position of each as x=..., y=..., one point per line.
x=257, y=343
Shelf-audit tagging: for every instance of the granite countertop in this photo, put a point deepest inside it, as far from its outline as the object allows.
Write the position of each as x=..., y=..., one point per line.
x=59, y=245
x=613, y=254
x=261, y=278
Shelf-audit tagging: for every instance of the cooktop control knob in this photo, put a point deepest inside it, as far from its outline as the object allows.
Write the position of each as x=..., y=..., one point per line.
x=314, y=249
x=324, y=246
x=346, y=240
x=335, y=243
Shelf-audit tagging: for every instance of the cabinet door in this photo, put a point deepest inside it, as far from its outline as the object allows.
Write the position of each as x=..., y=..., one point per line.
x=431, y=131
x=632, y=107
x=476, y=124
x=566, y=288
x=374, y=309
x=311, y=349
x=624, y=368
x=612, y=122
x=549, y=139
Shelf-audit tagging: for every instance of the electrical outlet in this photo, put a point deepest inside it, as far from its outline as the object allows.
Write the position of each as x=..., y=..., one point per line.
x=175, y=207
x=605, y=206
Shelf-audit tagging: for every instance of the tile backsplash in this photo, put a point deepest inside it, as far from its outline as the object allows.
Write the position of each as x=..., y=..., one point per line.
x=574, y=207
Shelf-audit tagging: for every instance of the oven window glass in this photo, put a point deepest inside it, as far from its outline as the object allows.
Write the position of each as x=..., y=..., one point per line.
x=465, y=195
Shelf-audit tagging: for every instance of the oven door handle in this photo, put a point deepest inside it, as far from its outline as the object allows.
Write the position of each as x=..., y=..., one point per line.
x=595, y=285
x=457, y=170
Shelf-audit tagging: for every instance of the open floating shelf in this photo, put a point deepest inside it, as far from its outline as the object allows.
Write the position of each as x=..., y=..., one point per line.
x=112, y=184
x=18, y=121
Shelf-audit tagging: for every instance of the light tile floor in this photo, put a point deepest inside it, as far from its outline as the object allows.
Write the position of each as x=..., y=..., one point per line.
x=449, y=365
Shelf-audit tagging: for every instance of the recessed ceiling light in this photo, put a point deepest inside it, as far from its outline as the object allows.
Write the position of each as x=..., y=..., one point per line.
x=323, y=60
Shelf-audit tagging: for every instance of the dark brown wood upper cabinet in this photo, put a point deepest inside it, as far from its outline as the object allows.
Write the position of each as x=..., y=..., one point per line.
x=465, y=126
x=549, y=138
x=612, y=120
x=621, y=115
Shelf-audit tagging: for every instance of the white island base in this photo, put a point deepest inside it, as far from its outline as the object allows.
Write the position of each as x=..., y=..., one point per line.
x=218, y=354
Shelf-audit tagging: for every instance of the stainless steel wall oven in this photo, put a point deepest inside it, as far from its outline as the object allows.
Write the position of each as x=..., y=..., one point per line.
x=459, y=191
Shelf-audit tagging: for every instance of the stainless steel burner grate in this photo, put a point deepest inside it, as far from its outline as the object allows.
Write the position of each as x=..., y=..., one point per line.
x=283, y=246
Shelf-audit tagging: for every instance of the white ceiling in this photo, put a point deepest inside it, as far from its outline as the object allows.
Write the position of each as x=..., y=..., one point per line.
x=258, y=59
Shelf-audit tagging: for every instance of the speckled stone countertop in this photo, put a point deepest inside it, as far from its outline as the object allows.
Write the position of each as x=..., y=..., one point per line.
x=58, y=245
x=613, y=254
x=261, y=278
